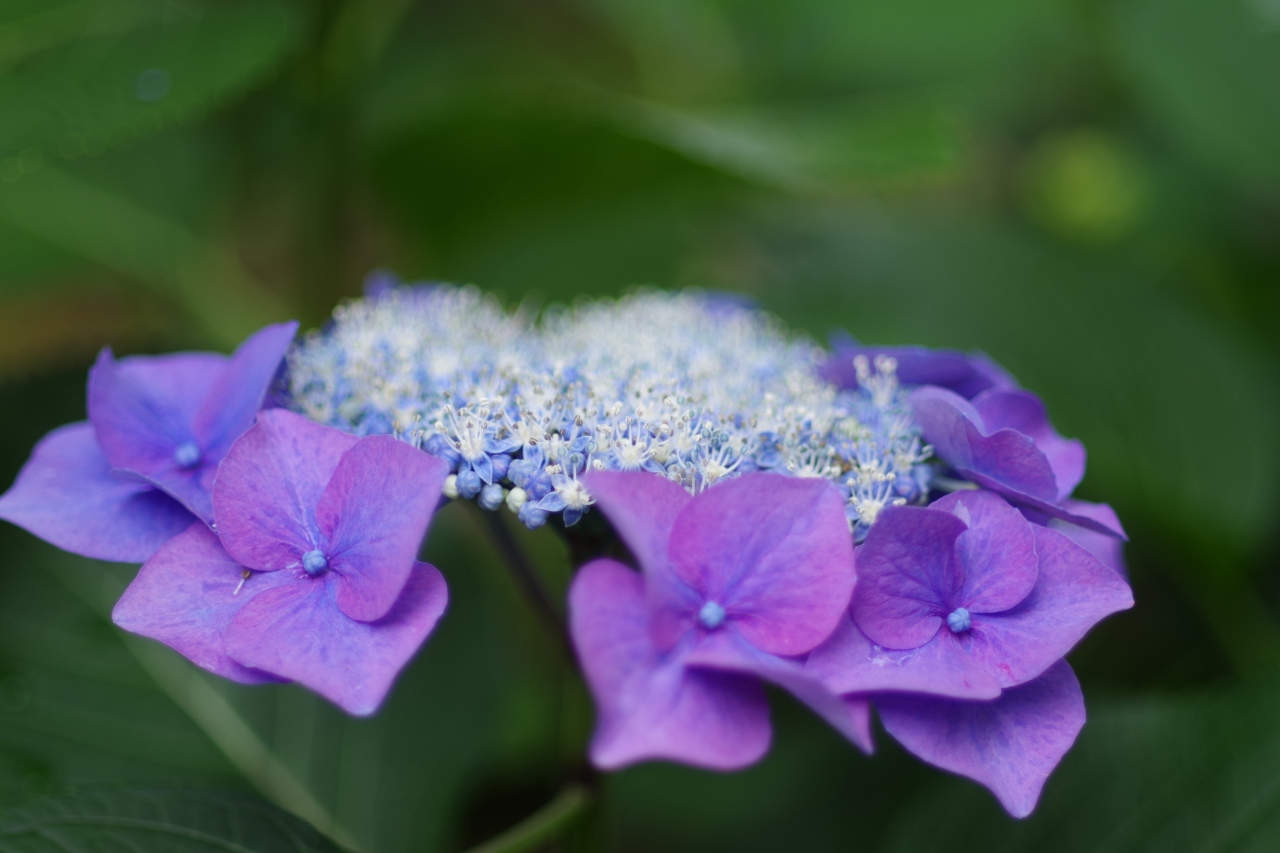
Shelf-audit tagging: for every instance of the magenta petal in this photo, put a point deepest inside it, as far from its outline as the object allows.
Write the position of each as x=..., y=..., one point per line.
x=1073, y=593
x=374, y=514
x=997, y=552
x=296, y=631
x=907, y=576
x=775, y=552
x=67, y=495
x=848, y=662
x=727, y=651
x=1010, y=745
x=230, y=405
x=187, y=594
x=859, y=708
x=268, y=487
x=1024, y=412
x=650, y=705
x=642, y=508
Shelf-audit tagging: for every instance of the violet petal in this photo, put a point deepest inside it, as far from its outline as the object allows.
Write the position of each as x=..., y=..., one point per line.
x=68, y=495
x=774, y=552
x=650, y=705
x=907, y=576
x=997, y=553
x=1024, y=412
x=642, y=508
x=296, y=631
x=1073, y=593
x=269, y=485
x=187, y=594
x=1106, y=547
x=374, y=515
x=229, y=406
x=1010, y=745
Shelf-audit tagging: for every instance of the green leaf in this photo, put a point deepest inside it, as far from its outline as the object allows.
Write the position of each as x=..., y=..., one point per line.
x=102, y=90
x=1158, y=775
x=163, y=820
x=1209, y=70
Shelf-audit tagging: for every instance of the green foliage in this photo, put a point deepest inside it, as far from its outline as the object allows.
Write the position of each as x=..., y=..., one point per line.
x=156, y=820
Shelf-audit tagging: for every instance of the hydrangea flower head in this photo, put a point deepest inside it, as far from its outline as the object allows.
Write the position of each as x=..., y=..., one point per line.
x=120, y=485
x=522, y=410
x=312, y=575
x=734, y=581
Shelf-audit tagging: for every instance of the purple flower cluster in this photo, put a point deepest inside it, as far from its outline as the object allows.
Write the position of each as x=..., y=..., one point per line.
x=275, y=548
x=941, y=584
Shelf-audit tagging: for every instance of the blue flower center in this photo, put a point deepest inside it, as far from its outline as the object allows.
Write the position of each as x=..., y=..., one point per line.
x=711, y=615
x=187, y=454
x=958, y=620
x=315, y=562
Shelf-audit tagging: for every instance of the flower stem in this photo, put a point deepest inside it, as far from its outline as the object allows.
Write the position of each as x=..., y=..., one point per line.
x=544, y=825
x=528, y=579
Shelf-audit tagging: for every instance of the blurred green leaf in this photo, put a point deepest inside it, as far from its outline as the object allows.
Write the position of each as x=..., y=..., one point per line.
x=101, y=91
x=1159, y=775
x=1210, y=72
x=156, y=820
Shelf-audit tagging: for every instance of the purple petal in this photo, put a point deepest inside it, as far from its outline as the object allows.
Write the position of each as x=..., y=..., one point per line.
x=848, y=662
x=1010, y=745
x=907, y=576
x=642, y=508
x=1073, y=593
x=650, y=705
x=1024, y=412
x=728, y=651
x=374, y=514
x=1106, y=547
x=229, y=406
x=966, y=374
x=142, y=409
x=775, y=552
x=67, y=495
x=997, y=552
x=268, y=487
x=187, y=594
x=860, y=722
x=1004, y=460
x=296, y=631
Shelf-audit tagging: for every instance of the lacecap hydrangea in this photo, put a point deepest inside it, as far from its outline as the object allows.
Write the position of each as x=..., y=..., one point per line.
x=694, y=387
x=865, y=527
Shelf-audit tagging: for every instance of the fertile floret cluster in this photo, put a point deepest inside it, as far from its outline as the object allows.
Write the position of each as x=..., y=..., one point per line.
x=689, y=386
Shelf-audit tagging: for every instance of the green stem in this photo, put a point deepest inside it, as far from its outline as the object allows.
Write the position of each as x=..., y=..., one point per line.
x=545, y=825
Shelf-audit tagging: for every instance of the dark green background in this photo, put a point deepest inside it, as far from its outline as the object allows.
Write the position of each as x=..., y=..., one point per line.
x=1089, y=191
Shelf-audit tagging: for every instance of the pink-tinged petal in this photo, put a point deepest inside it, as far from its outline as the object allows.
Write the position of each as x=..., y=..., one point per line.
x=1106, y=547
x=859, y=708
x=650, y=705
x=374, y=515
x=229, y=406
x=1024, y=412
x=997, y=553
x=642, y=508
x=727, y=651
x=187, y=594
x=775, y=552
x=268, y=487
x=1010, y=745
x=1073, y=593
x=67, y=495
x=296, y=631
x=848, y=662
x=907, y=576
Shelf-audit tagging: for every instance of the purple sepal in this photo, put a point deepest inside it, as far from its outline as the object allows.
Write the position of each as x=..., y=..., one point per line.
x=1107, y=548
x=170, y=419
x=774, y=552
x=1010, y=744
x=185, y=596
x=1003, y=440
x=967, y=374
x=650, y=705
x=642, y=509
x=67, y=495
x=296, y=630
